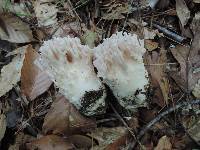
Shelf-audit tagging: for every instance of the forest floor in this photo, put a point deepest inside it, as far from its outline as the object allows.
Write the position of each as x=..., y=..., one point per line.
x=37, y=109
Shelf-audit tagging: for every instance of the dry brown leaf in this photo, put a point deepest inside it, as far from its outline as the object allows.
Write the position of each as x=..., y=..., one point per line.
x=17, y=31
x=150, y=45
x=106, y=136
x=63, y=118
x=181, y=54
x=50, y=142
x=195, y=23
x=164, y=144
x=20, y=139
x=156, y=68
x=120, y=142
x=180, y=141
x=192, y=125
x=70, y=28
x=124, y=139
x=149, y=34
x=34, y=81
x=115, y=10
x=147, y=114
x=182, y=11
x=11, y=73
x=196, y=1
x=20, y=9
x=196, y=90
x=194, y=61
x=2, y=126
x=81, y=141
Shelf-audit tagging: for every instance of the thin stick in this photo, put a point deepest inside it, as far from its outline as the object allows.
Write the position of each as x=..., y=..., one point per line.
x=74, y=10
x=159, y=117
x=124, y=123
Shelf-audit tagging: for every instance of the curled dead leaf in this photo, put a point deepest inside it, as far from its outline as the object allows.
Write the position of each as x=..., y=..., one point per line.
x=34, y=81
x=63, y=118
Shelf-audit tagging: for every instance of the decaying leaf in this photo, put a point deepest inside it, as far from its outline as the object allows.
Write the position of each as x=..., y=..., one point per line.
x=149, y=34
x=182, y=11
x=11, y=73
x=19, y=9
x=90, y=38
x=192, y=126
x=180, y=141
x=116, y=10
x=121, y=142
x=196, y=90
x=150, y=45
x=81, y=141
x=106, y=136
x=164, y=144
x=63, y=118
x=194, y=61
x=16, y=30
x=46, y=13
x=188, y=56
x=180, y=53
x=50, y=142
x=156, y=67
x=69, y=28
x=2, y=125
x=196, y=1
x=195, y=23
x=20, y=140
x=34, y=81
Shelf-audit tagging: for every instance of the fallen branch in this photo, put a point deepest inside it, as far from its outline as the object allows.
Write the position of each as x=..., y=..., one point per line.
x=169, y=33
x=159, y=117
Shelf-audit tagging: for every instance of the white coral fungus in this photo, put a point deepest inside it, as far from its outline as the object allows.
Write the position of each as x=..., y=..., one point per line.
x=119, y=61
x=70, y=66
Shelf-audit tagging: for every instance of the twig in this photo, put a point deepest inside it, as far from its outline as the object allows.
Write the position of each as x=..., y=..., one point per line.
x=169, y=33
x=159, y=117
x=74, y=10
x=126, y=17
x=124, y=123
x=106, y=120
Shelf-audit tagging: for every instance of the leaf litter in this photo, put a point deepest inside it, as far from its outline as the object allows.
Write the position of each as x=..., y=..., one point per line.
x=99, y=74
